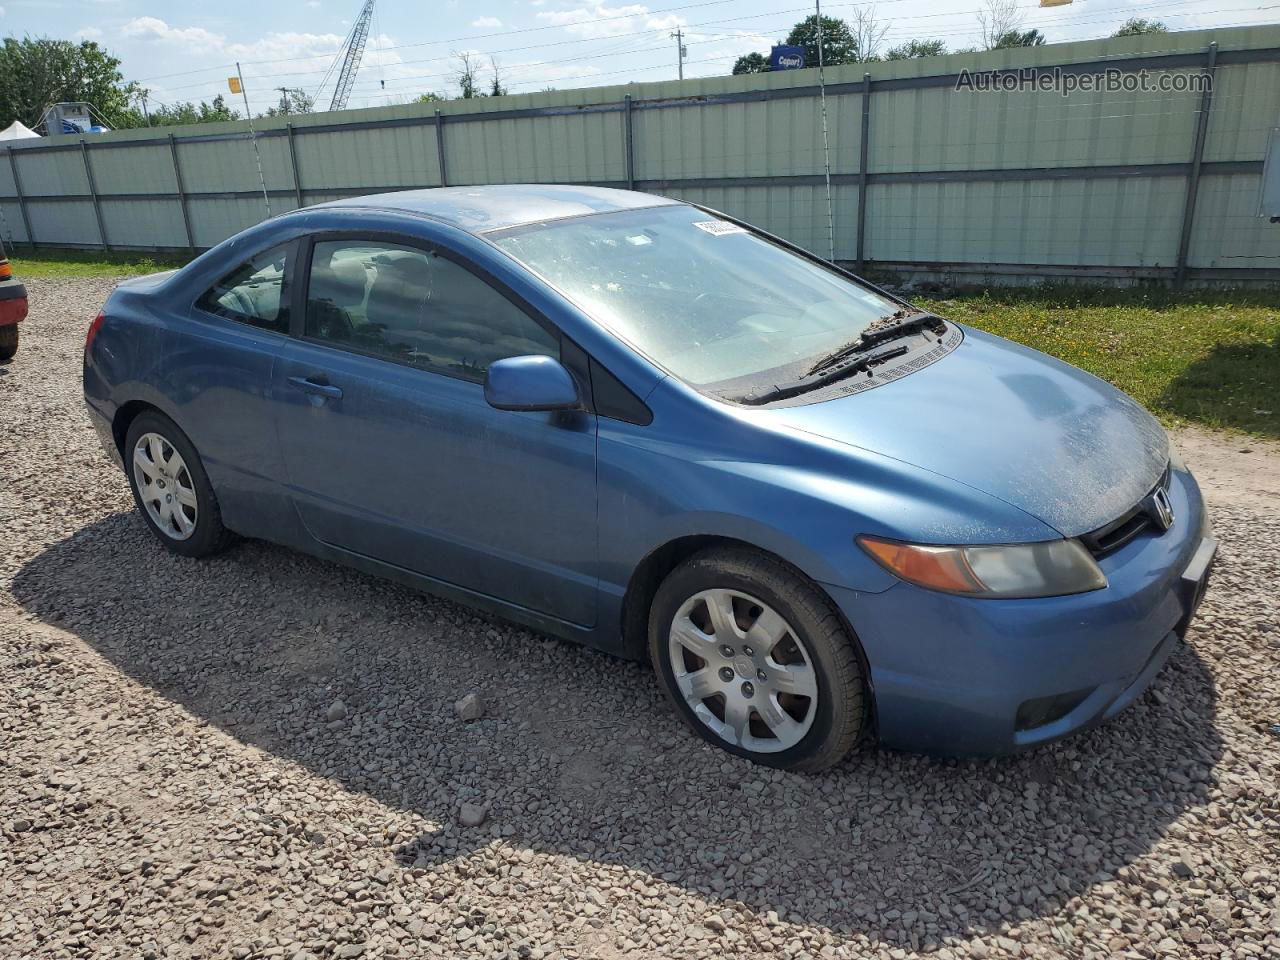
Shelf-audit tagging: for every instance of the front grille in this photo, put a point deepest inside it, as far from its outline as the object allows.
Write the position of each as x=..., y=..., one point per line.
x=1133, y=522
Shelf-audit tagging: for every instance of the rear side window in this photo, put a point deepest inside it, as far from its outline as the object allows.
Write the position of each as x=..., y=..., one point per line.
x=415, y=307
x=253, y=293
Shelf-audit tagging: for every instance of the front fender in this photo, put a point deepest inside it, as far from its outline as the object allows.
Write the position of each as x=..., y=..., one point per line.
x=803, y=498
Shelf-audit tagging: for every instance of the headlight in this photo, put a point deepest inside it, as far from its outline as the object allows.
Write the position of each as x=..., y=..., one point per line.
x=1048, y=569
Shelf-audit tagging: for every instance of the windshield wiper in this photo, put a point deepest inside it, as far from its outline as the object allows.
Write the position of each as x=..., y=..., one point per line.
x=886, y=328
x=837, y=370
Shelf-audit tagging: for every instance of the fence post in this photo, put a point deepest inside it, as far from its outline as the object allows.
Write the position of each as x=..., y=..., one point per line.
x=293, y=165
x=1197, y=158
x=863, y=148
x=182, y=193
x=628, y=143
x=444, y=178
x=22, y=201
x=93, y=194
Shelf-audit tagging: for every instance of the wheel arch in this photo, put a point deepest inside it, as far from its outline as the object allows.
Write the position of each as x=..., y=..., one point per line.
x=659, y=562
x=124, y=416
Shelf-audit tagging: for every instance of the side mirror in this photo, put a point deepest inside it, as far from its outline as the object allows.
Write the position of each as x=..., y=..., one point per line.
x=530, y=383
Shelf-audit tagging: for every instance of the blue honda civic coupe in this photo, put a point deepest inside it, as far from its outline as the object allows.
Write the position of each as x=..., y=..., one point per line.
x=819, y=511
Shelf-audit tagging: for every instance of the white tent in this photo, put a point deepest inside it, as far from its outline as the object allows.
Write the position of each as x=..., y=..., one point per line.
x=18, y=131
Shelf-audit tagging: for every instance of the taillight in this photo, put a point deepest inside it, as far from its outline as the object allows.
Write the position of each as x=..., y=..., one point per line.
x=93, y=332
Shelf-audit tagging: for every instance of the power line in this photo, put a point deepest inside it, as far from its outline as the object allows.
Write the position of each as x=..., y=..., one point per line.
x=1061, y=21
x=718, y=38
x=501, y=33
x=558, y=26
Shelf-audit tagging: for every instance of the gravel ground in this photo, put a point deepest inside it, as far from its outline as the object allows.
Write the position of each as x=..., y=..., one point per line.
x=259, y=756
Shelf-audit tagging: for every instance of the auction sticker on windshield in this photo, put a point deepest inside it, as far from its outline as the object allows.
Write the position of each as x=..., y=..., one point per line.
x=718, y=228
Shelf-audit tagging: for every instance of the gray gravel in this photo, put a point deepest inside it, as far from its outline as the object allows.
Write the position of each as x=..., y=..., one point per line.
x=259, y=756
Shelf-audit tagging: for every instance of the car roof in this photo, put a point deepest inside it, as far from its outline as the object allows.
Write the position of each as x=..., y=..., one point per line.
x=481, y=209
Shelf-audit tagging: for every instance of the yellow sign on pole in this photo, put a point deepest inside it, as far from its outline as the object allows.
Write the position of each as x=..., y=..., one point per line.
x=1054, y=3
x=234, y=84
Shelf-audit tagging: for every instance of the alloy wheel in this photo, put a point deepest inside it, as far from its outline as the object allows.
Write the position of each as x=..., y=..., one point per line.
x=743, y=670
x=165, y=487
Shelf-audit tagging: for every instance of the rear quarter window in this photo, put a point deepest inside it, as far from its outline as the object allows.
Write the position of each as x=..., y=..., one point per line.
x=253, y=293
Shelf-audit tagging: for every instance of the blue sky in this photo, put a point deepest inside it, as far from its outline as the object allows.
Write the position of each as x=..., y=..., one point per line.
x=184, y=50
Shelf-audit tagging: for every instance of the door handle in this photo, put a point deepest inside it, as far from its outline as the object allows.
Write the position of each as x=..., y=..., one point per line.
x=316, y=389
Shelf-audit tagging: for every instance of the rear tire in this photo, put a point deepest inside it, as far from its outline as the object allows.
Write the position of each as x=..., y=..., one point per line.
x=8, y=342
x=781, y=683
x=171, y=489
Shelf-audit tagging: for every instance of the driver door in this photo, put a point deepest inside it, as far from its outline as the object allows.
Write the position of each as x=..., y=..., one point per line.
x=391, y=450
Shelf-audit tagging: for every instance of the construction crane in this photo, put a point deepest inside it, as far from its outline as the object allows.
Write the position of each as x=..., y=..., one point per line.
x=351, y=53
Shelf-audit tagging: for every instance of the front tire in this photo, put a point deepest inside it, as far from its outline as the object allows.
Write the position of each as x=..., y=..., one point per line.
x=757, y=661
x=8, y=342
x=171, y=489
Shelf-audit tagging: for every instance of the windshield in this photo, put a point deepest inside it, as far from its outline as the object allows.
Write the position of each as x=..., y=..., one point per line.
x=703, y=298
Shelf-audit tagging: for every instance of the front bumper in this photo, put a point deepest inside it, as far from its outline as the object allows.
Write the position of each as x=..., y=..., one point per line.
x=960, y=675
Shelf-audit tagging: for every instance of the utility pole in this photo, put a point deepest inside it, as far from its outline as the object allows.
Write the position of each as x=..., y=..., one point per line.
x=680, y=50
x=284, y=100
x=145, y=112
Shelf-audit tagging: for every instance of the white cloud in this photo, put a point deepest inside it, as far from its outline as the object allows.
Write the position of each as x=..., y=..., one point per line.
x=612, y=21
x=153, y=28
x=280, y=46
x=198, y=40
x=487, y=23
x=669, y=22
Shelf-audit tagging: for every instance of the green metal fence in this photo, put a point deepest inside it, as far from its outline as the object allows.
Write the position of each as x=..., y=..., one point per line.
x=1160, y=182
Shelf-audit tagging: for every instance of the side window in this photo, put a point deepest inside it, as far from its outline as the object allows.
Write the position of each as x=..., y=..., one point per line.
x=253, y=293
x=415, y=307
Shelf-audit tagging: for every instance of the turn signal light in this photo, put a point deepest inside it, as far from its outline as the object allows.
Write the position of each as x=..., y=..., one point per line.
x=938, y=568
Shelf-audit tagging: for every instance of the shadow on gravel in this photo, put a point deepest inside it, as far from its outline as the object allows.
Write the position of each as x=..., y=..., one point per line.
x=1234, y=385
x=578, y=755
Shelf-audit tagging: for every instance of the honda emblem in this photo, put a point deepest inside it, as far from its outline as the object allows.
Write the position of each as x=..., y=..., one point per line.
x=1162, y=509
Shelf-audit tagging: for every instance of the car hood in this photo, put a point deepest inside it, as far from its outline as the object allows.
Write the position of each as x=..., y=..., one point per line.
x=1052, y=440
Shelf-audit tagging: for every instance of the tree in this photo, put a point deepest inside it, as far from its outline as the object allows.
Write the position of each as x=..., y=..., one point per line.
x=171, y=114
x=466, y=77
x=292, y=100
x=839, y=45
x=997, y=20
x=752, y=63
x=1136, y=26
x=496, y=89
x=1017, y=38
x=868, y=33
x=429, y=97
x=914, y=49
x=36, y=73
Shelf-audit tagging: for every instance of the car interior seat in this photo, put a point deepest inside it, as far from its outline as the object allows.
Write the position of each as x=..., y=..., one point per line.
x=336, y=296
